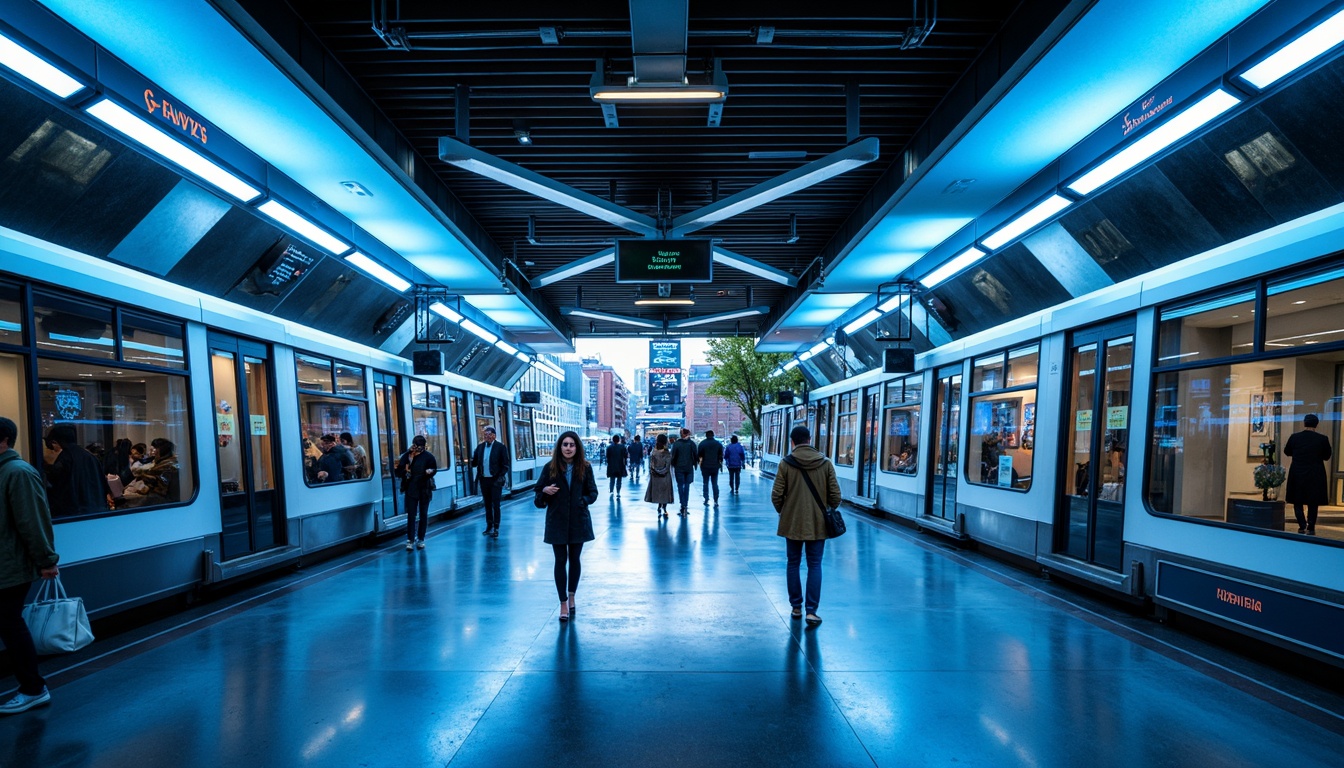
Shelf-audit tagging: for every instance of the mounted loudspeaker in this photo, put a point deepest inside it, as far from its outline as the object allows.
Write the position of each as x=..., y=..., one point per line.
x=427, y=362
x=784, y=397
x=898, y=360
x=527, y=397
x=841, y=338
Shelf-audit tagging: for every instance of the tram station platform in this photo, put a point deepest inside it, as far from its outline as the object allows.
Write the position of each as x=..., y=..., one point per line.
x=681, y=653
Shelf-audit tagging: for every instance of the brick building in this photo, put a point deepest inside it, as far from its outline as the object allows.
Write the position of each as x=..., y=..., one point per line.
x=608, y=401
x=709, y=411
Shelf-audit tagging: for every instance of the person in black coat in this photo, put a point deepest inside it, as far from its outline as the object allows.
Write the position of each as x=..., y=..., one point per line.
x=565, y=489
x=1308, y=483
x=709, y=455
x=417, y=468
x=492, y=463
x=636, y=458
x=616, y=456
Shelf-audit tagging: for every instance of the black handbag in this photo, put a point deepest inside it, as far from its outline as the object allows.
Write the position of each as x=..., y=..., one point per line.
x=835, y=524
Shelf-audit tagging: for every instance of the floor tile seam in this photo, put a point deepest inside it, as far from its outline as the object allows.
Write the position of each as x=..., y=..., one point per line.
x=69, y=674
x=1288, y=702
x=797, y=638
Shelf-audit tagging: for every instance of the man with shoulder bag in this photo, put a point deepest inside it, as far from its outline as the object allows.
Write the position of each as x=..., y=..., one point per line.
x=805, y=494
x=26, y=554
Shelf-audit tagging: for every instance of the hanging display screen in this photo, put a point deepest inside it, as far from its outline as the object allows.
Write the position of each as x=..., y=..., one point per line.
x=664, y=261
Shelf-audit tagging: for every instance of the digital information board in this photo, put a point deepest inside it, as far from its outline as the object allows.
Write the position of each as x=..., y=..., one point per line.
x=664, y=374
x=664, y=261
x=664, y=354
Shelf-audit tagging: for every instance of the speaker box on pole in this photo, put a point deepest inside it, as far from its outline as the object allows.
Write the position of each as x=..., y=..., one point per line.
x=527, y=397
x=898, y=360
x=784, y=397
x=427, y=362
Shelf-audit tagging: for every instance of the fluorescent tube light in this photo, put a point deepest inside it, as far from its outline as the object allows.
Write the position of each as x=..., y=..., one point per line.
x=948, y=268
x=481, y=333
x=37, y=69
x=379, y=272
x=170, y=149
x=749, y=312
x=506, y=347
x=859, y=153
x=664, y=302
x=1026, y=221
x=789, y=366
x=305, y=228
x=608, y=317
x=1295, y=54
x=443, y=310
x=862, y=321
x=1156, y=140
x=652, y=93
x=808, y=355
x=522, y=356
x=895, y=302
x=818, y=348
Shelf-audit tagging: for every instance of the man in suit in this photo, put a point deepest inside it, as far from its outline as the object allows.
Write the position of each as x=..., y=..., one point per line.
x=491, y=460
x=1308, y=480
x=709, y=455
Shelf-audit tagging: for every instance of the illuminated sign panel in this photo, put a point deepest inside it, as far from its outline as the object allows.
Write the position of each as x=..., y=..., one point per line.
x=664, y=374
x=664, y=261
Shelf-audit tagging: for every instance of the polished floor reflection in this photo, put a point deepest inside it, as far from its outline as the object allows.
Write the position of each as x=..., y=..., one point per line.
x=682, y=653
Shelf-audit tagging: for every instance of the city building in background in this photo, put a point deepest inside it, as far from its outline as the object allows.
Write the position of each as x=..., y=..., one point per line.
x=704, y=411
x=607, y=406
x=560, y=409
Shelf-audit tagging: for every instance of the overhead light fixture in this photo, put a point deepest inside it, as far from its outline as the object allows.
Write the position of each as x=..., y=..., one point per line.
x=859, y=153
x=808, y=355
x=663, y=302
x=37, y=70
x=862, y=321
x=789, y=366
x=356, y=189
x=609, y=317
x=1300, y=51
x=523, y=137
x=469, y=158
x=1026, y=221
x=895, y=302
x=379, y=272
x=819, y=347
x=506, y=347
x=754, y=267
x=478, y=331
x=577, y=267
x=303, y=227
x=151, y=138
x=949, y=268
x=1156, y=140
x=721, y=317
x=683, y=92
x=777, y=154
x=522, y=356
x=443, y=310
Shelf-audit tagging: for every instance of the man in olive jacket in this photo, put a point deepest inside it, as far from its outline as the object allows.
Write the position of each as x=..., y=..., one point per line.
x=26, y=554
x=802, y=520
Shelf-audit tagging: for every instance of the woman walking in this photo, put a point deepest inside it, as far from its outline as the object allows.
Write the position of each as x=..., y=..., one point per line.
x=566, y=488
x=659, y=490
x=416, y=468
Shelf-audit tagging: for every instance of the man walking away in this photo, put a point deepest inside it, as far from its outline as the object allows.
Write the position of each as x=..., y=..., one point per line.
x=709, y=455
x=683, y=466
x=734, y=458
x=492, y=463
x=26, y=554
x=802, y=520
x=616, y=456
x=636, y=451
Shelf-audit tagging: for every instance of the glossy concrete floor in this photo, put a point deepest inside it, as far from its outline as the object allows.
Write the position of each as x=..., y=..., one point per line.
x=682, y=654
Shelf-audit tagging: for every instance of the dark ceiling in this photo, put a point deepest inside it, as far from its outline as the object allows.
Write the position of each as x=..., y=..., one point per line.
x=787, y=94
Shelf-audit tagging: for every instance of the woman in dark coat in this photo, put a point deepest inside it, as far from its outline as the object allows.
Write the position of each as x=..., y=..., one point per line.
x=1308, y=483
x=565, y=489
x=416, y=468
x=659, y=490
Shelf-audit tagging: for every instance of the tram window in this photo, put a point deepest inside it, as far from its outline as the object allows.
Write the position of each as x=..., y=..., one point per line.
x=1214, y=328
x=72, y=327
x=900, y=433
x=822, y=440
x=524, y=446
x=1000, y=451
x=103, y=406
x=1305, y=311
x=339, y=409
x=846, y=429
x=152, y=342
x=429, y=419
x=14, y=399
x=11, y=315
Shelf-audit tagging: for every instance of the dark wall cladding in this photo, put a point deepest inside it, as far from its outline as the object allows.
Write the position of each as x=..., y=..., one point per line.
x=1011, y=284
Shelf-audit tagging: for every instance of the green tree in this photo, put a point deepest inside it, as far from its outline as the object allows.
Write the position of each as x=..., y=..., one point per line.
x=748, y=378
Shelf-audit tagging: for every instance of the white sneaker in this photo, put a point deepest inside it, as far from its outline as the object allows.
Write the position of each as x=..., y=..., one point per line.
x=410, y=546
x=419, y=544
x=22, y=702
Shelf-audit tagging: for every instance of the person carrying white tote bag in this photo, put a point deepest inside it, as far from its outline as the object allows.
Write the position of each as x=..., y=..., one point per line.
x=57, y=621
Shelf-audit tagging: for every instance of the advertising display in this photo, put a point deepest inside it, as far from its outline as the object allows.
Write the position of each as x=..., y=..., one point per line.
x=664, y=374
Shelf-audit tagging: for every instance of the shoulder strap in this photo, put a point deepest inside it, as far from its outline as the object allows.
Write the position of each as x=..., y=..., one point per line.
x=815, y=496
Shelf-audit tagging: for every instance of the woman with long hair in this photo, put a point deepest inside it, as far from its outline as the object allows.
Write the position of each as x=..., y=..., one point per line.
x=659, y=490
x=565, y=489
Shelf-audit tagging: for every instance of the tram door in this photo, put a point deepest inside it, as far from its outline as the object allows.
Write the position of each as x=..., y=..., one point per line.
x=251, y=504
x=387, y=394
x=870, y=450
x=941, y=500
x=1089, y=519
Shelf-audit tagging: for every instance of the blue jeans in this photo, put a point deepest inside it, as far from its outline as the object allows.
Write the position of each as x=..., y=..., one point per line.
x=814, y=551
x=684, y=477
x=708, y=479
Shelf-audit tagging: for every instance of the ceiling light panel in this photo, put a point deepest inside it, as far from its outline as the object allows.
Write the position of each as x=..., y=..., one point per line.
x=379, y=272
x=303, y=227
x=37, y=70
x=949, y=268
x=1300, y=51
x=1026, y=221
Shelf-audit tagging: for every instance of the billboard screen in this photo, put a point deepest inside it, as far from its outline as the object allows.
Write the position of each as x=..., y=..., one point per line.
x=664, y=261
x=664, y=354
